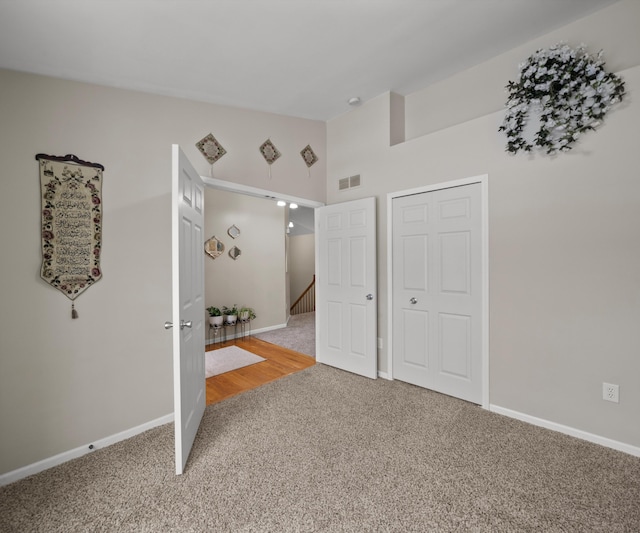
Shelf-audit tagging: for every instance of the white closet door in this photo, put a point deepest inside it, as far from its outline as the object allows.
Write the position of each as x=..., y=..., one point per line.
x=437, y=290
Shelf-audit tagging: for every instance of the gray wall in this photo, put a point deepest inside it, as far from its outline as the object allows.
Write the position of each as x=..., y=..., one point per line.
x=66, y=383
x=564, y=258
x=257, y=277
x=301, y=263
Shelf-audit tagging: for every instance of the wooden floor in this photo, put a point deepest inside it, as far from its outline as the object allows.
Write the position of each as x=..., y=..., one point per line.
x=279, y=362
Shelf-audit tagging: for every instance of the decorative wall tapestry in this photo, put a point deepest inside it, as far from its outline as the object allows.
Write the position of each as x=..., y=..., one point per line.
x=71, y=224
x=309, y=156
x=269, y=152
x=568, y=90
x=210, y=148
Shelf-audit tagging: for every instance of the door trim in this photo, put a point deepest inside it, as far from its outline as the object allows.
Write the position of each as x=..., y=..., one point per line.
x=248, y=190
x=483, y=180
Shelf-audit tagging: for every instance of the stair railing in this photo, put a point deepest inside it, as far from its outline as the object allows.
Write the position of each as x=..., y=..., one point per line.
x=306, y=303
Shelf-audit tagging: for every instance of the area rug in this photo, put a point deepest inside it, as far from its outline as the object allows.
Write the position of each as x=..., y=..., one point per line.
x=227, y=359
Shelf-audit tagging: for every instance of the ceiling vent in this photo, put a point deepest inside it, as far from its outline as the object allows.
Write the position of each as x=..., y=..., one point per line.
x=349, y=183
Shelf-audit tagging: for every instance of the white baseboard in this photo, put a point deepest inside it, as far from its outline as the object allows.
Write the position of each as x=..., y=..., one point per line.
x=573, y=432
x=383, y=375
x=253, y=332
x=63, y=457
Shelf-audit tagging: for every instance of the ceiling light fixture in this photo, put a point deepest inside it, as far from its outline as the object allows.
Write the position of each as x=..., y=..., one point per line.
x=281, y=203
x=293, y=206
x=355, y=100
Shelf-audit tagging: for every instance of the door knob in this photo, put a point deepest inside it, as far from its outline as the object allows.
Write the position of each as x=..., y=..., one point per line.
x=413, y=301
x=369, y=296
x=184, y=324
x=168, y=325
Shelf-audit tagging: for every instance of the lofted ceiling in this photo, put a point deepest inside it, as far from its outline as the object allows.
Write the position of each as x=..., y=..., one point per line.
x=302, y=58
x=303, y=220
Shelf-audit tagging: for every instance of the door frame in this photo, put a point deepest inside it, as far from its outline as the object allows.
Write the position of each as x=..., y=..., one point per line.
x=248, y=190
x=483, y=180
x=215, y=183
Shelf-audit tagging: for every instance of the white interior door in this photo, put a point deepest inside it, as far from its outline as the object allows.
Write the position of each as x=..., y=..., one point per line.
x=437, y=290
x=187, y=194
x=346, y=303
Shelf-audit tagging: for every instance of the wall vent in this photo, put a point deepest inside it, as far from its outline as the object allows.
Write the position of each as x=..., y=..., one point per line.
x=349, y=183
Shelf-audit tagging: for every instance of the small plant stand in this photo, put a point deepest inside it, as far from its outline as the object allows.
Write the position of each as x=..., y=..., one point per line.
x=244, y=323
x=219, y=332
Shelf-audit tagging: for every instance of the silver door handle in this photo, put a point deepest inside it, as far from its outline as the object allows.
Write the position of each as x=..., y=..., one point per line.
x=184, y=324
x=168, y=325
x=413, y=301
x=369, y=296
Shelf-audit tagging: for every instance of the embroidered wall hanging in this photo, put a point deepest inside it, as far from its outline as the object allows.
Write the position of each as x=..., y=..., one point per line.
x=211, y=149
x=269, y=152
x=71, y=212
x=309, y=156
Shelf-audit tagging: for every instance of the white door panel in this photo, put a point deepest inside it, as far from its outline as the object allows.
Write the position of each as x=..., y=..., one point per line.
x=188, y=304
x=437, y=290
x=346, y=308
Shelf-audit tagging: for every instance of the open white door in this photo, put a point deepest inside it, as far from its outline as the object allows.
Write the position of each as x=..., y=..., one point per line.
x=346, y=303
x=189, y=398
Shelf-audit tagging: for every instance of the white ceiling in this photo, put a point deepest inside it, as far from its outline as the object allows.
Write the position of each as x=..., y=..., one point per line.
x=302, y=58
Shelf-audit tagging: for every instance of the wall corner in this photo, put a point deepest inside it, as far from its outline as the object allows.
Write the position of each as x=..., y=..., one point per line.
x=396, y=119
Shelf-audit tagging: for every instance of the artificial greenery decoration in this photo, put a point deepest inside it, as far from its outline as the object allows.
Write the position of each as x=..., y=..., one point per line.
x=571, y=91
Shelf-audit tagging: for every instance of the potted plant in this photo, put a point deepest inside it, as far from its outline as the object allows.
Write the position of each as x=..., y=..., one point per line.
x=246, y=313
x=230, y=314
x=215, y=316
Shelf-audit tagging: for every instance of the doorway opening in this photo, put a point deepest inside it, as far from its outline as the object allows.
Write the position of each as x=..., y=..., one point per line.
x=293, y=238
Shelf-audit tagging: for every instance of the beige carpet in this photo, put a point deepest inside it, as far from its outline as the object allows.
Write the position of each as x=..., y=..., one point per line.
x=325, y=450
x=227, y=359
x=299, y=335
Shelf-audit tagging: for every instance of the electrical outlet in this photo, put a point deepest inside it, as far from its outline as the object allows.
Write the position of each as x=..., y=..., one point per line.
x=611, y=392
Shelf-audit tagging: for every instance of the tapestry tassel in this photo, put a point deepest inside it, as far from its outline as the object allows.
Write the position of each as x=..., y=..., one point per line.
x=74, y=313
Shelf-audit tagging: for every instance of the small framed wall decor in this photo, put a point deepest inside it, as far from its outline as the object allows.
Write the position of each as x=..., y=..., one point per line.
x=210, y=148
x=214, y=247
x=309, y=156
x=270, y=153
x=234, y=232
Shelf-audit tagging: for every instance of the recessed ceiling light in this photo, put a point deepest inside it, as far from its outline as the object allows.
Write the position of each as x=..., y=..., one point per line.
x=293, y=206
x=281, y=203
